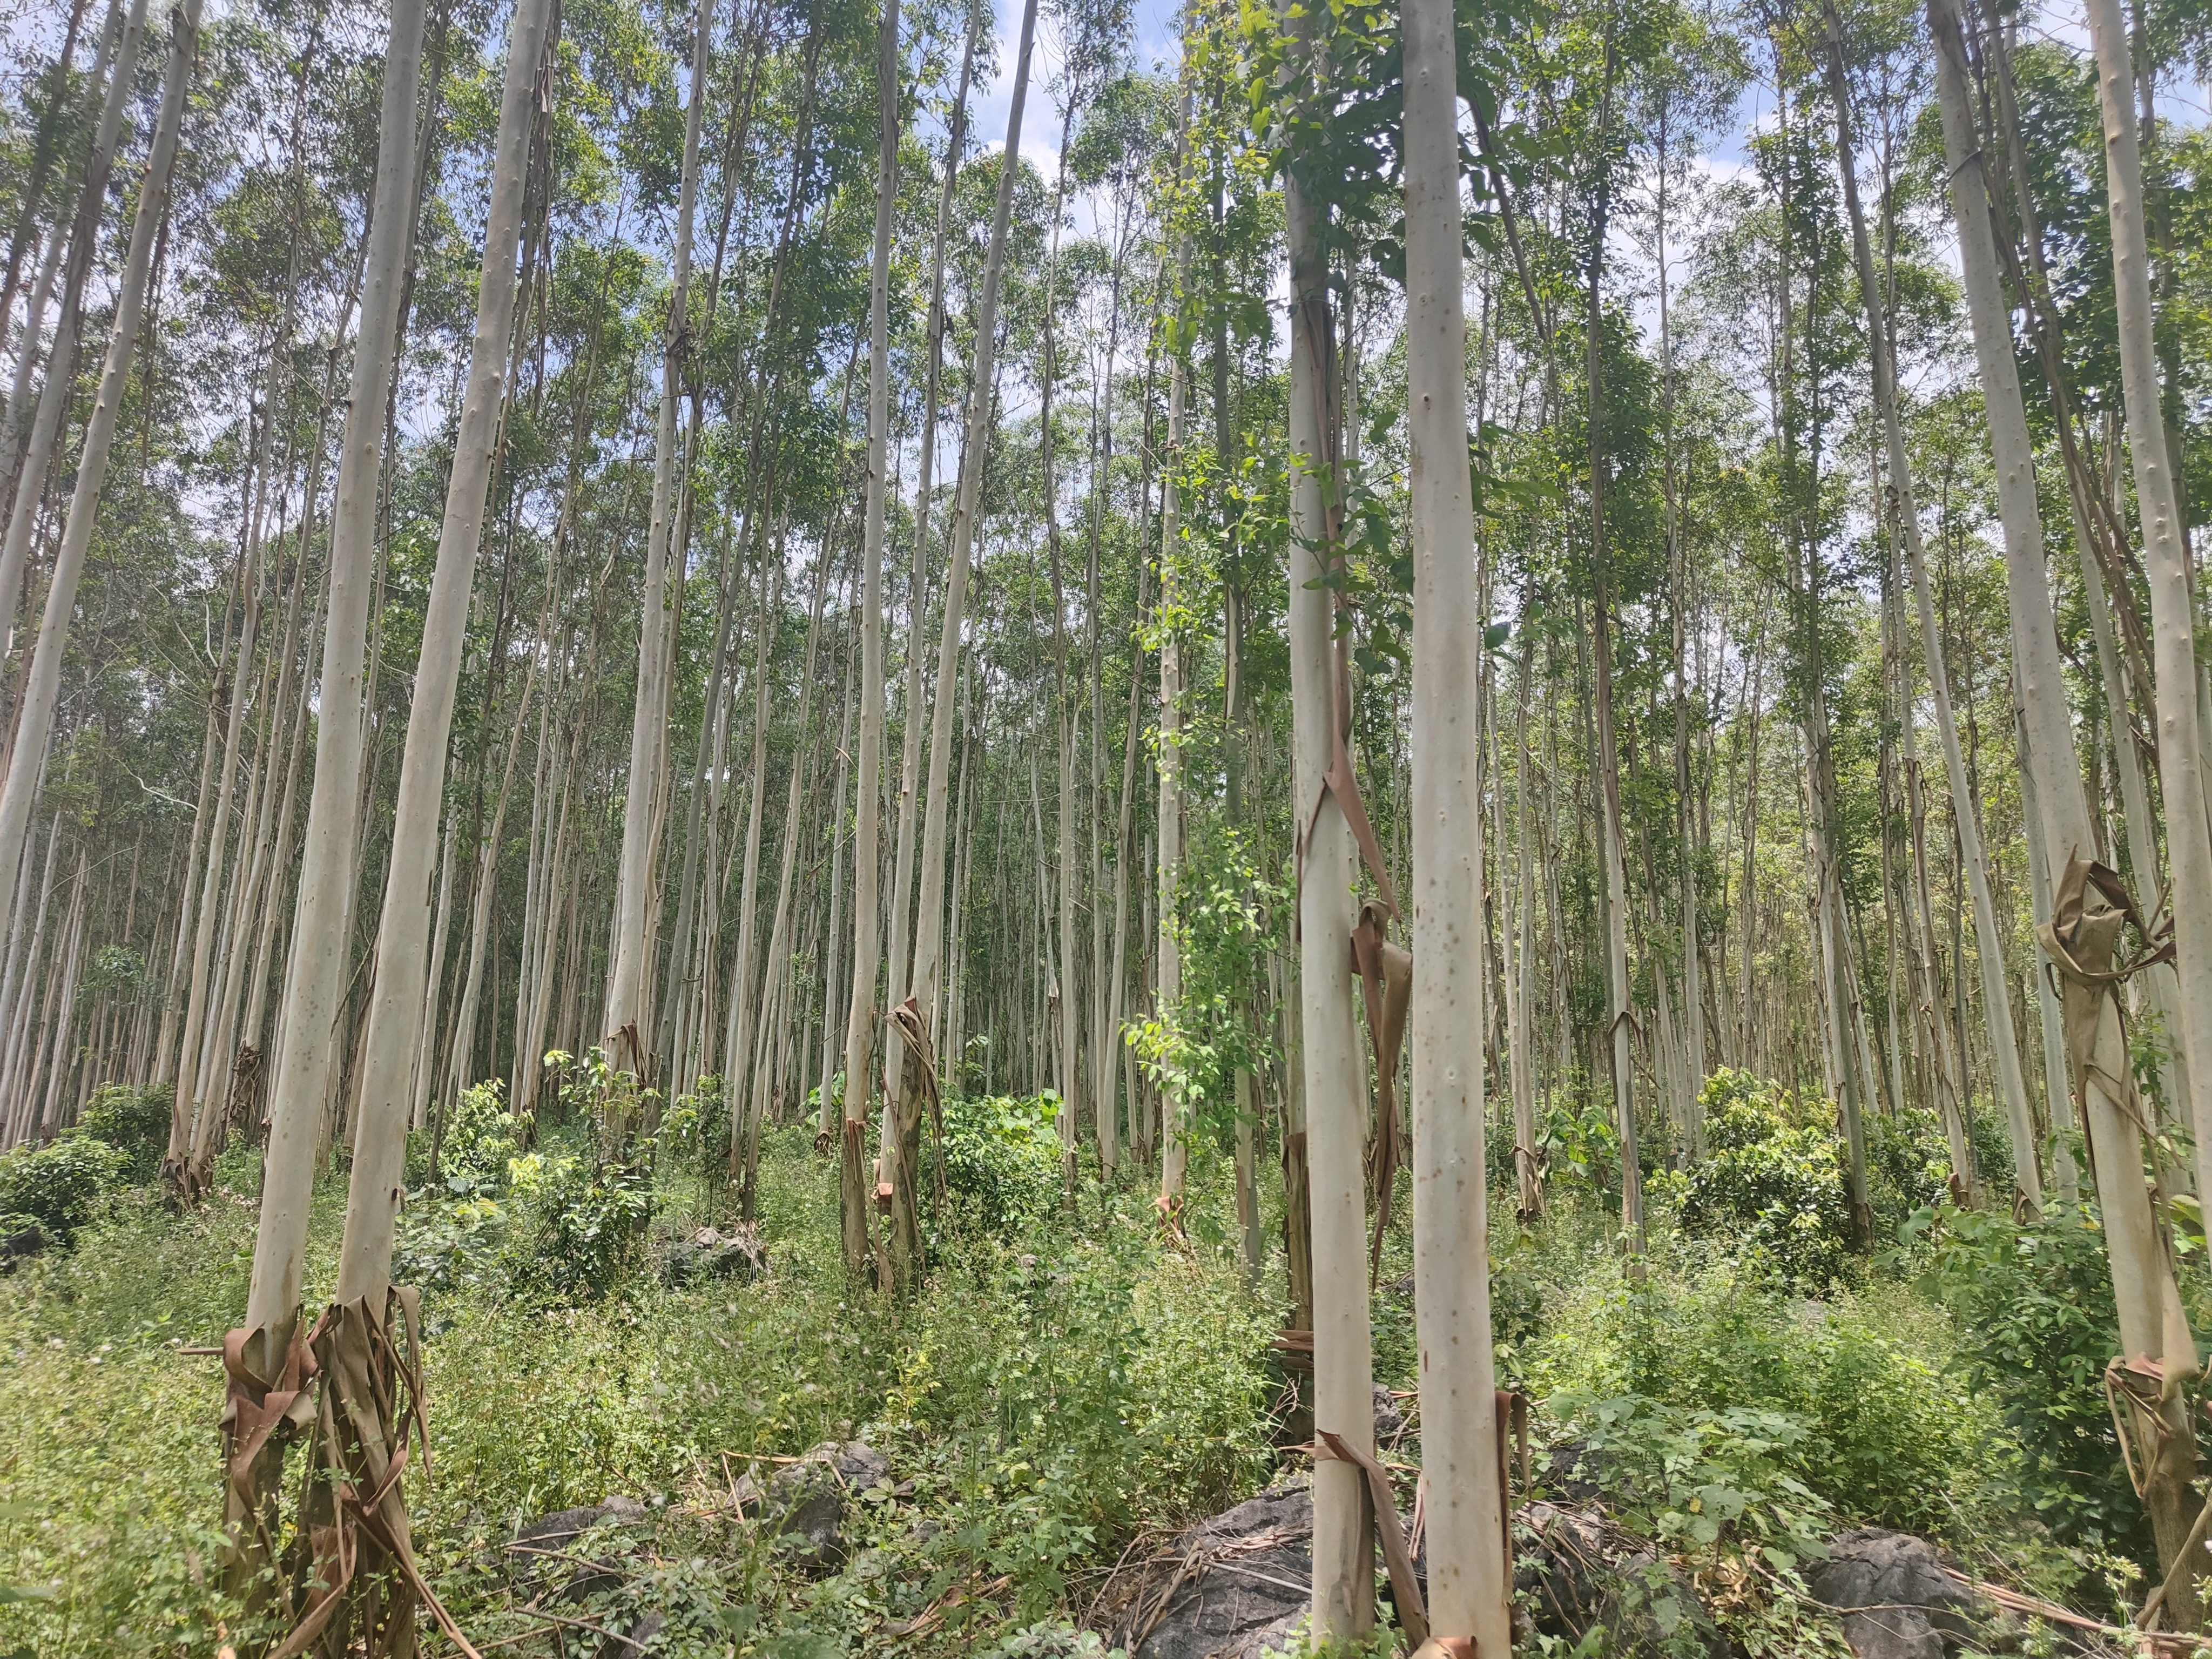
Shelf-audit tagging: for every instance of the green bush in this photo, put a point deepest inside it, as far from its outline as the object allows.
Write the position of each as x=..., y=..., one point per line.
x=1908, y=1166
x=2036, y=1327
x=136, y=1121
x=1771, y=1181
x=1889, y=1439
x=1002, y=1169
x=1722, y=1480
x=482, y=1136
x=586, y=1222
x=59, y=1183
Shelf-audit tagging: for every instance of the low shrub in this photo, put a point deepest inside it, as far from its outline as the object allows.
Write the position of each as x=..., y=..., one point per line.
x=2037, y=1326
x=1002, y=1164
x=1771, y=1181
x=1908, y=1166
x=1719, y=1482
x=134, y=1120
x=585, y=1222
x=59, y=1184
x=1889, y=1438
x=481, y=1138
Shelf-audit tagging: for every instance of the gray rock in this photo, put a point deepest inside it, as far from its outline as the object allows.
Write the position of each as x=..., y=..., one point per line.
x=1389, y=1421
x=1583, y=1573
x=638, y=1639
x=546, y=1552
x=807, y=1501
x=1897, y=1600
x=1228, y=1588
x=708, y=1254
x=1271, y=1641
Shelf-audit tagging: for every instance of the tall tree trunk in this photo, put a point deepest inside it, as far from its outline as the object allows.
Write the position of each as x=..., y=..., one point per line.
x=867, y=880
x=2151, y=1322
x=1335, y=1070
x=314, y=992
x=60, y=387
x=1996, y=1001
x=1469, y=1588
x=738, y=1059
x=825, y=1099
x=929, y=946
x=1529, y=1187
x=1614, y=851
x=627, y=1012
x=2166, y=564
x=35, y=719
x=402, y=966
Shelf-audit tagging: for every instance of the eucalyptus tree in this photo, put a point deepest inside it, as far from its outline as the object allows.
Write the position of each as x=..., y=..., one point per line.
x=264, y=1353
x=929, y=938
x=2153, y=461
x=1469, y=1587
x=627, y=1009
x=1902, y=503
x=868, y=946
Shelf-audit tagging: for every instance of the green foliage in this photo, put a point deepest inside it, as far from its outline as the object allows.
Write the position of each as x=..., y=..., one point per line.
x=60, y=1183
x=1908, y=1166
x=1578, y=1143
x=481, y=1138
x=1772, y=1183
x=1231, y=916
x=2037, y=1326
x=1002, y=1164
x=136, y=1121
x=1043, y=1395
x=585, y=1220
x=1890, y=1437
x=1713, y=1481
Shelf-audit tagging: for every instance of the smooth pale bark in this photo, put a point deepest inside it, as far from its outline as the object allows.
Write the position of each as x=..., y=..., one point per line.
x=1996, y=999
x=1071, y=999
x=35, y=718
x=861, y=1014
x=19, y=1004
x=1470, y=1591
x=929, y=911
x=461, y=1066
x=51, y=414
x=903, y=954
x=779, y=927
x=1527, y=1187
x=418, y=1112
x=1694, y=1002
x=33, y=188
x=50, y=264
x=1167, y=994
x=738, y=1059
x=626, y=1009
x=1105, y=1040
x=402, y=967
x=2057, y=1102
x=1613, y=849
x=255, y=892
x=825, y=1097
x=307, y=1018
x=191, y=1070
x=2167, y=570
x=2142, y=1278
x=1335, y=1069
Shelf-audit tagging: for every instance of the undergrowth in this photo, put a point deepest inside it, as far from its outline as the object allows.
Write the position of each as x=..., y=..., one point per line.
x=1068, y=1383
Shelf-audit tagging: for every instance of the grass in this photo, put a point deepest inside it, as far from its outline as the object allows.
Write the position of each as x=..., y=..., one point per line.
x=1059, y=1387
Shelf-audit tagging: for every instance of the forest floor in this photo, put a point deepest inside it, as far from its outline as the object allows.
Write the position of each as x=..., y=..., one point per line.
x=1066, y=1391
